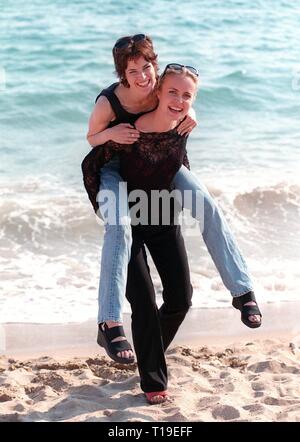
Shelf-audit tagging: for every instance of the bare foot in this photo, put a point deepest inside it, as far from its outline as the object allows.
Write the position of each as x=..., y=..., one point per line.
x=122, y=354
x=157, y=397
x=253, y=318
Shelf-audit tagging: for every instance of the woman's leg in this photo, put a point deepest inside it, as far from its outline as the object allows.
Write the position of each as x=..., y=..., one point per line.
x=216, y=234
x=169, y=256
x=115, y=251
x=146, y=332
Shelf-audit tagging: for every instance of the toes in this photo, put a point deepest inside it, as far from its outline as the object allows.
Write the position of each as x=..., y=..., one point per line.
x=125, y=354
x=158, y=399
x=254, y=318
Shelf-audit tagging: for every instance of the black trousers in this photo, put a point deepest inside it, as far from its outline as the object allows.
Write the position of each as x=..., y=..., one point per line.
x=153, y=329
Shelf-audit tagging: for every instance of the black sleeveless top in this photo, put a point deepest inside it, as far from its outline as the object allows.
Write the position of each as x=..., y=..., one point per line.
x=100, y=155
x=122, y=115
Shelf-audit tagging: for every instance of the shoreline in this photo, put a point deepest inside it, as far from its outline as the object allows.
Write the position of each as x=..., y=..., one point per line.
x=201, y=326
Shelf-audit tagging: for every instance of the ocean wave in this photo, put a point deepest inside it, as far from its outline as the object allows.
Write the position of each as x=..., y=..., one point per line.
x=264, y=218
x=40, y=211
x=238, y=76
x=281, y=197
x=218, y=97
x=268, y=207
x=42, y=216
x=50, y=245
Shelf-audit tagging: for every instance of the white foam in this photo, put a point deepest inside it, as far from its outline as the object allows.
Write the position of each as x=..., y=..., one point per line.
x=50, y=248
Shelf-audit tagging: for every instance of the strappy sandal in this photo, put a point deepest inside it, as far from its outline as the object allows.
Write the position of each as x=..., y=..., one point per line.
x=105, y=338
x=247, y=310
x=163, y=394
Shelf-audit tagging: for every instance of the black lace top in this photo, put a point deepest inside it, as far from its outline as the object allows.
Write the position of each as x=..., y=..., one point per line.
x=153, y=161
x=158, y=159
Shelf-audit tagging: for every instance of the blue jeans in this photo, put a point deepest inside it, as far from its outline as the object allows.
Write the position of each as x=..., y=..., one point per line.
x=216, y=234
x=118, y=240
x=115, y=251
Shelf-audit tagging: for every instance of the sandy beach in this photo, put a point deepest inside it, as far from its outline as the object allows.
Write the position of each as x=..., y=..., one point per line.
x=218, y=371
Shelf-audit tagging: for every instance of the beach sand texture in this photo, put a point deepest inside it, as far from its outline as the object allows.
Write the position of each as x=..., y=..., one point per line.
x=256, y=380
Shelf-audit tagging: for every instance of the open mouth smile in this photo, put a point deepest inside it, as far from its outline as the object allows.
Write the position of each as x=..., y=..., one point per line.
x=175, y=109
x=143, y=84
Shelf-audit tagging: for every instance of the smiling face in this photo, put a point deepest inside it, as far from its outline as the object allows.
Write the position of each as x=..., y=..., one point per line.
x=176, y=95
x=141, y=76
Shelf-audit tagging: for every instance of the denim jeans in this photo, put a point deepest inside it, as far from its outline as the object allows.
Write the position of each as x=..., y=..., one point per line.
x=115, y=251
x=118, y=240
x=216, y=234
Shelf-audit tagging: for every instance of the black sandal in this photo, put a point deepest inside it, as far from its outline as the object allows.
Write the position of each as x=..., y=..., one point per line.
x=112, y=348
x=247, y=310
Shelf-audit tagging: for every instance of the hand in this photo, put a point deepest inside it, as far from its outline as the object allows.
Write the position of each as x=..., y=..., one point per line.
x=187, y=125
x=123, y=133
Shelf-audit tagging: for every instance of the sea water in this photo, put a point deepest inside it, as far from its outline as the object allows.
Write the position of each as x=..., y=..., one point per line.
x=55, y=57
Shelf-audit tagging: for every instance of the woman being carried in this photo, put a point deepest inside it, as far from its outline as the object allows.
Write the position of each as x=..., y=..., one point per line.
x=116, y=109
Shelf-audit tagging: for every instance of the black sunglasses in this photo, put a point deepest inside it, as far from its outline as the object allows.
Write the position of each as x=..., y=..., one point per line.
x=179, y=67
x=125, y=42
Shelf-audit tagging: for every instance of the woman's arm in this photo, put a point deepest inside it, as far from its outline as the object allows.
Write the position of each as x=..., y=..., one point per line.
x=99, y=132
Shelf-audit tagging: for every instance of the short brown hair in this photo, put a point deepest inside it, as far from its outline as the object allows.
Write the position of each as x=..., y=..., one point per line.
x=136, y=49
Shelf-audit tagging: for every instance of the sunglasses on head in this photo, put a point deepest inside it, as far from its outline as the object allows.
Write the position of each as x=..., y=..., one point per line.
x=125, y=42
x=179, y=67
